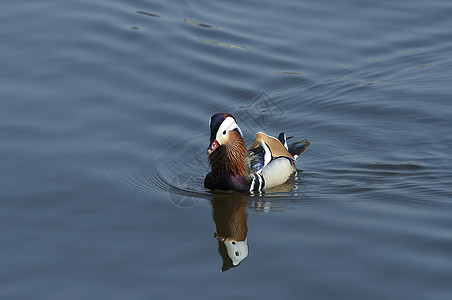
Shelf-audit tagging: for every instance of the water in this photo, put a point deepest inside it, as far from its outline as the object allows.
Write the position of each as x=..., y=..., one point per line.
x=104, y=124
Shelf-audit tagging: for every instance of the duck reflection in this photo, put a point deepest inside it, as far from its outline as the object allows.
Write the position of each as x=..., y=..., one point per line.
x=229, y=215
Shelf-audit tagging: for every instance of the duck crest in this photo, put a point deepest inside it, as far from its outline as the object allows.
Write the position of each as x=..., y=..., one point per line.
x=230, y=158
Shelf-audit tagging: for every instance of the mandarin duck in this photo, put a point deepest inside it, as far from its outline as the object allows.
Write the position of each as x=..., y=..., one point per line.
x=267, y=163
x=229, y=214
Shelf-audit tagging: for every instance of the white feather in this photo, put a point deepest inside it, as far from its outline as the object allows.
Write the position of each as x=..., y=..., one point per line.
x=252, y=183
x=227, y=125
x=277, y=172
x=260, y=181
x=267, y=153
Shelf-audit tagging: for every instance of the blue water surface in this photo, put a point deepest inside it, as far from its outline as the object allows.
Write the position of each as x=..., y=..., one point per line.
x=104, y=111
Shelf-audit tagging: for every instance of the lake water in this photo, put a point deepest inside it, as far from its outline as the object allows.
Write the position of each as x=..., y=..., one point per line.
x=104, y=111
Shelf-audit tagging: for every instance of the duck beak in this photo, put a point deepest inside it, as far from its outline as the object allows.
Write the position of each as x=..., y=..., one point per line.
x=213, y=146
x=220, y=238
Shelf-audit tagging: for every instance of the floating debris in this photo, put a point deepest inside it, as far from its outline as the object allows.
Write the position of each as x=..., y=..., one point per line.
x=200, y=24
x=147, y=14
x=224, y=44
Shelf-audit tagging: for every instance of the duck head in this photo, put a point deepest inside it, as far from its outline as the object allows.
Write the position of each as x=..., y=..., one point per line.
x=223, y=131
x=227, y=149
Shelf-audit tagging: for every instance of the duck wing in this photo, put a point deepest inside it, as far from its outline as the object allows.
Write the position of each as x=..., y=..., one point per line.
x=271, y=146
x=296, y=149
x=264, y=149
x=255, y=160
x=283, y=139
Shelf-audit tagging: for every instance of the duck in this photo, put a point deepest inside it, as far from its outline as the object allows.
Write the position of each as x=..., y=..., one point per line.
x=267, y=163
x=230, y=217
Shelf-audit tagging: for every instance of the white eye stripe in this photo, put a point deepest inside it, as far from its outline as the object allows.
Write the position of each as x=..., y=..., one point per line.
x=228, y=125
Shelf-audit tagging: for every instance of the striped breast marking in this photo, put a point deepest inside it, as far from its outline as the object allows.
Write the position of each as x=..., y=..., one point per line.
x=258, y=183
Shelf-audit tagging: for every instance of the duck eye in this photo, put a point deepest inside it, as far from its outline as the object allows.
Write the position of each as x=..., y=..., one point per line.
x=224, y=132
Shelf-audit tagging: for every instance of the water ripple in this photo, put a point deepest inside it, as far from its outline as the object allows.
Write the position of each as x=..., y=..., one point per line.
x=147, y=14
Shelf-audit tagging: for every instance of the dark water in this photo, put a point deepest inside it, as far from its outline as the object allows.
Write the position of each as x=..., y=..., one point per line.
x=104, y=109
